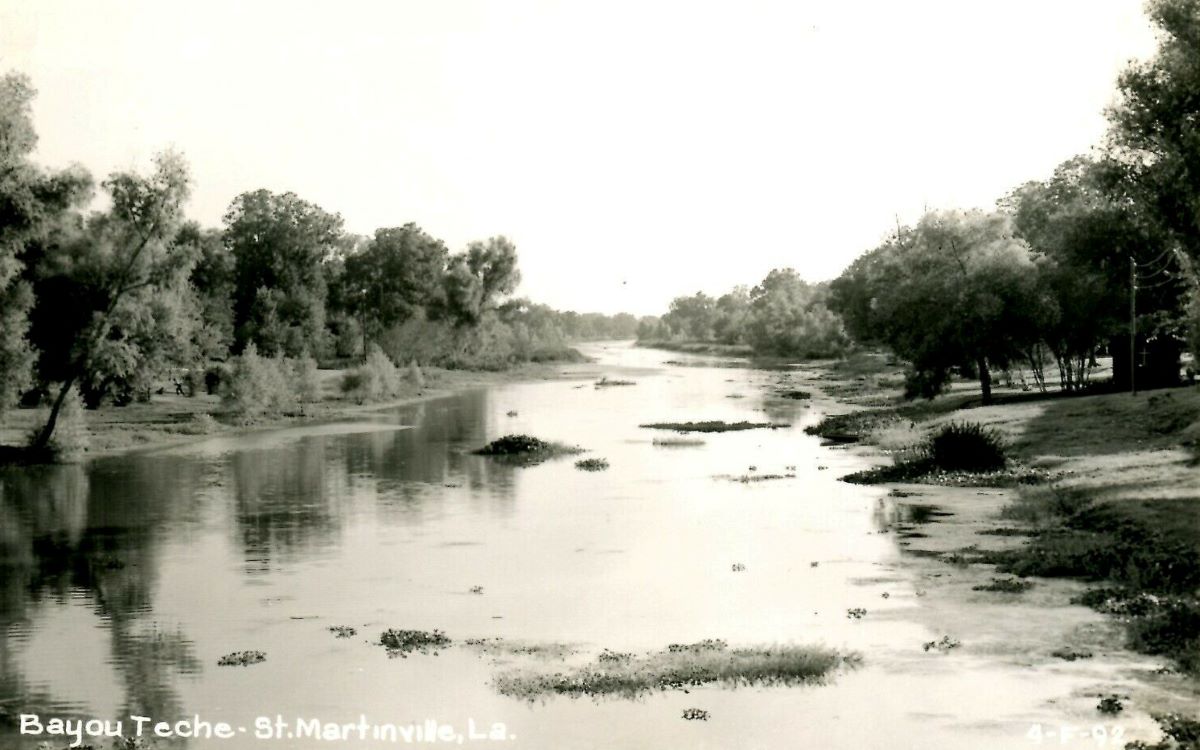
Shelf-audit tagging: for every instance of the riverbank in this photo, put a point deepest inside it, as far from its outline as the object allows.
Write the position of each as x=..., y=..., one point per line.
x=1100, y=491
x=171, y=420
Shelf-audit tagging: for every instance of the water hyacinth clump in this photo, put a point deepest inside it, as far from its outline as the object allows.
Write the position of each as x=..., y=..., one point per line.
x=713, y=426
x=525, y=450
x=606, y=382
x=343, y=631
x=592, y=464
x=679, y=667
x=404, y=642
x=241, y=659
x=1005, y=585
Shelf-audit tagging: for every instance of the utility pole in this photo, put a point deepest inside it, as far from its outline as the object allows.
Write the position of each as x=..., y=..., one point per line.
x=1132, y=326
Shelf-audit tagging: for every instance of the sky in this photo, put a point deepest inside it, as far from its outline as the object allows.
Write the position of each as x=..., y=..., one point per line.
x=633, y=150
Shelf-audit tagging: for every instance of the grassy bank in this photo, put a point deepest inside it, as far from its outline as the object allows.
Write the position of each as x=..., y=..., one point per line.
x=1107, y=486
x=168, y=420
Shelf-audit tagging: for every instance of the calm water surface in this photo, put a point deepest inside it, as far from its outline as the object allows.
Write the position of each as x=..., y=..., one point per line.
x=122, y=582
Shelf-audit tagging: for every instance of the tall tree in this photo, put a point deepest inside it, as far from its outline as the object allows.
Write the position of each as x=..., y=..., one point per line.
x=397, y=273
x=789, y=317
x=117, y=264
x=475, y=280
x=956, y=291
x=31, y=202
x=278, y=242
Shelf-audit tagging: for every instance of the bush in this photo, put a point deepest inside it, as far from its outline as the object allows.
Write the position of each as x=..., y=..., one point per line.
x=373, y=381
x=307, y=380
x=258, y=385
x=967, y=446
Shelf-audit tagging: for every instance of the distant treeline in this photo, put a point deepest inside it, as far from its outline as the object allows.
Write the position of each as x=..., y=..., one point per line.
x=781, y=316
x=105, y=304
x=1103, y=253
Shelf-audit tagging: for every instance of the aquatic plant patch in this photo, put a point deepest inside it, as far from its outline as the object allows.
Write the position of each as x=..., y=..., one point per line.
x=713, y=426
x=241, y=659
x=606, y=382
x=525, y=450
x=677, y=442
x=1005, y=585
x=592, y=464
x=683, y=667
x=404, y=642
x=343, y=631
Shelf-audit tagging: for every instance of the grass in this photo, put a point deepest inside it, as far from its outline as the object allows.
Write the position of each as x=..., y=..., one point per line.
x=713, y=426
x=501, y=647
x=1179, y=733
x=679, y=667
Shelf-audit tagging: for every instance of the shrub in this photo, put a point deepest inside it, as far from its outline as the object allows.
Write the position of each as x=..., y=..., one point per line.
x=215, y=377
x=307, y=380
x=967, y=446
x=258, y=385
x=386, y=377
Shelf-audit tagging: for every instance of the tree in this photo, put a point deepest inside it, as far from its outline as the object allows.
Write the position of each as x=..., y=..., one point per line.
x=31, y=203
x=956, y=291
x=475, y=280
x=691, y=317
x=399, y=272
x=119, y=261
x=212, y=283
x=732, y=310
x=278, y=244
x=789, y=317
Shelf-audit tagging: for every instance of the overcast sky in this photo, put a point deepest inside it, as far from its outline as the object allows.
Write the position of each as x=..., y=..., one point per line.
x=634, y=151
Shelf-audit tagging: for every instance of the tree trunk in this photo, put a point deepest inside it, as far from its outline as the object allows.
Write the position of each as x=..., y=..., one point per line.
x=985, y=380
x=43, y=438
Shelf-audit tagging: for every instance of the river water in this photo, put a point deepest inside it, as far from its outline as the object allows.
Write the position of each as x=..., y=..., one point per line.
x=126, y=579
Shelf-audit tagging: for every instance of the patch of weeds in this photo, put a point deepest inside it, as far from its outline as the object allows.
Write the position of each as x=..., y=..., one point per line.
x=614, y=657
x=1069, y=654
x=592, y=464
x=343, y=631
x=695, y=714
x=902, y=493
x=794, y=395
x=680, y=668
x=404, y=642
x=945, y=645
x=738, y=568
x=475, y=590
x=924, y=471
x=856, y=613
x=1179, y=733
x=852, y=427
x=713, y=426
x=1111, y=704
x=1007, y=531
x=751, y=478
x=501, y=647
x=708, y=644
x=525, y=450
x=241, y=659
x=1005, y=585
x=677, y=442
x=606, y=382
x=967, y=446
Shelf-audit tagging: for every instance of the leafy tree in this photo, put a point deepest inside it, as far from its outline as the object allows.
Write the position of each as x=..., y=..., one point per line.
x=212, y=283
x=732, y=311
x=278, y=242
x=956, y=291
x=476, y=279
x=691, y=317
x=789, y=317
x=397, y=273
x=32, y=203
x=122, y=268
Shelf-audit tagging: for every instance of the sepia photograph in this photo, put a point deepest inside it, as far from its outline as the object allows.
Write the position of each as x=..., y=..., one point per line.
x=579, y=375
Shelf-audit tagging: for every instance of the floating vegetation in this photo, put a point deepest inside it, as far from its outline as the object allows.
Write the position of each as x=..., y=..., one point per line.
x=592, y=464
x=526, y=450
x=475, y=590
x=1005, y=585
x=501, y=647
x=677, y=442
x=944, y=645
x=241, y=659
x=613, y=657
x=1007, y=531
x=1111, y=704
x=857, y=613
x=750, y=478
x=713, y=426
x=1069, y=654
x=342, y=631
x=404, y=642
x=679, y=667
x=695, y=714
x=511, y=413
x=738, y=568
x=605, y=382
x=795, y=395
